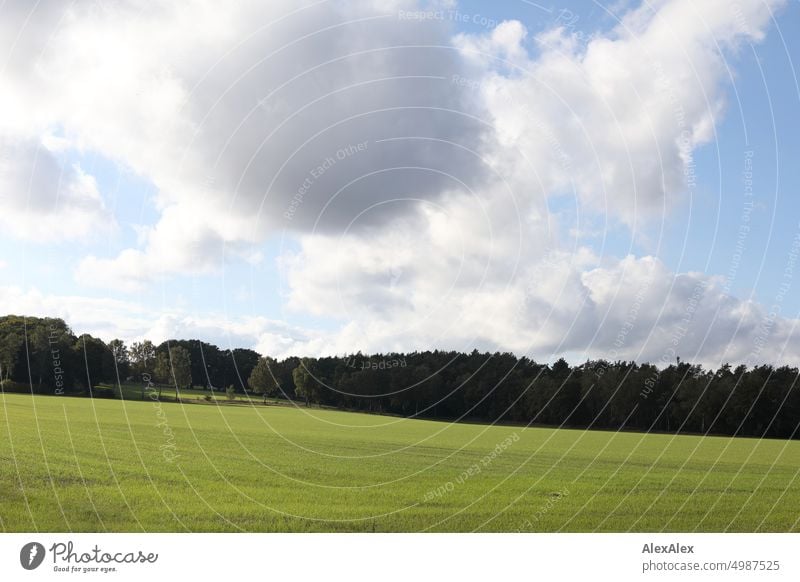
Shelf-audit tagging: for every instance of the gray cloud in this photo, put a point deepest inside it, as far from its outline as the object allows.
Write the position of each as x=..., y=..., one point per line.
x=252, y=118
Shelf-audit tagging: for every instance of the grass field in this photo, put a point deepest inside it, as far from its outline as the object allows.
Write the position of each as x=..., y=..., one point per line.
x=136, y=391
x=75, y=464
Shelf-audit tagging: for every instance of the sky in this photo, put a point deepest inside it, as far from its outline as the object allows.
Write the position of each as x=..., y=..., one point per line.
x=580, y=179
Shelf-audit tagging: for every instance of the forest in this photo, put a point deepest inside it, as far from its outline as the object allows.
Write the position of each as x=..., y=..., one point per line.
x=44, y=356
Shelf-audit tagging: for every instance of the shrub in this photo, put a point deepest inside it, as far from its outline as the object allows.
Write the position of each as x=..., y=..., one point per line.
x=11, y=386
x=103, y=392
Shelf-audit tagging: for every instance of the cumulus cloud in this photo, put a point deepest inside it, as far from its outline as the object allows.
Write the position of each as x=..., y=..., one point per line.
x=106, y=318
x=415, y=169
x=615, y=122
x=43, y=201
x=250, y=118
x=562, y=303
x=616, y=118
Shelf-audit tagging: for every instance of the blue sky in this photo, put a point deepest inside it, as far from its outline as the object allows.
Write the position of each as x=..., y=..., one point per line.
x=275, y=288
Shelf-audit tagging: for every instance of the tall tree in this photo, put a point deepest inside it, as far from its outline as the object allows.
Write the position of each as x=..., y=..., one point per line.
x=243, y=362
x=142, y=356
x=98, y=362
x=10, y=346
x=304, y=382
x=174, y=368
x=181, y=364
x=121, y=356
x=262, y=379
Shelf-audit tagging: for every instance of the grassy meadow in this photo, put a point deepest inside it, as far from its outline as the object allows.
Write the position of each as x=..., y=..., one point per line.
x=75, y=464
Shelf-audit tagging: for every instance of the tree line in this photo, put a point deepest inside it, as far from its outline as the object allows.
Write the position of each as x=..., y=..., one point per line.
x=487, y=387
x=45, y=356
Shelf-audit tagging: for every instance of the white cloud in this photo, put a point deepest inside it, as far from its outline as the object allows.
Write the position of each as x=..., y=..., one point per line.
x=616, y=120
x=130, y=321
x=562, y=303
x=43, y=201
x=633, y=308
x=229, y=110
x=102, y=317
x=436, y=230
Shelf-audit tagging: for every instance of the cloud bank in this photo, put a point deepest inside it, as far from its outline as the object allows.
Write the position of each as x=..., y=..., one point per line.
x=415, y=168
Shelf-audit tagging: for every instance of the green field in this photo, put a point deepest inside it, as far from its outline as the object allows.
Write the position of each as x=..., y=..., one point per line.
x=128, y=391
x=75, y=464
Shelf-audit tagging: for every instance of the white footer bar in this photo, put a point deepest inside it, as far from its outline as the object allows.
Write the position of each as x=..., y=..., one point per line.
x=401, y=557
